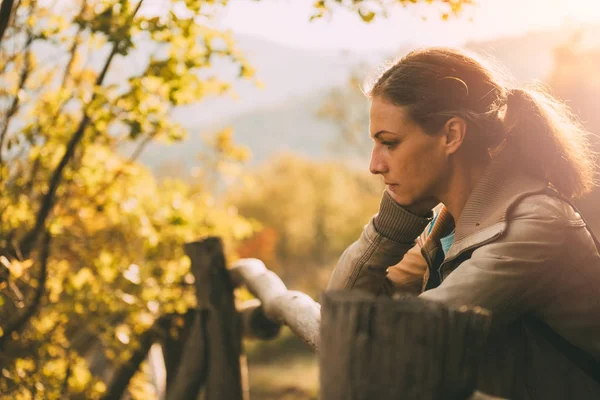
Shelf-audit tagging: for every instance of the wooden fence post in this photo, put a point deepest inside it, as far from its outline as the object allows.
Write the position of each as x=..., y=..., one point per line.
x=404, y=348
x=173, y=347
x=213, y=347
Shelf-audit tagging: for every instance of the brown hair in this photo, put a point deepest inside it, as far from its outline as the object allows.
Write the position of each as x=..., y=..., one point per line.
x=436, y=84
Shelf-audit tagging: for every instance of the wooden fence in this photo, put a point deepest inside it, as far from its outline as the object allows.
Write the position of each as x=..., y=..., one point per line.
x=368, y=348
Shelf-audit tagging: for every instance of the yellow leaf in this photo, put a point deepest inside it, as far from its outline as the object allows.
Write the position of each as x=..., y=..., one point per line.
x=17, y=267
x=367, y=17
x=23, y=365
x=80, y=375
x=55, y=367
x=100, y=387
x=81, y=278
x=122, y=332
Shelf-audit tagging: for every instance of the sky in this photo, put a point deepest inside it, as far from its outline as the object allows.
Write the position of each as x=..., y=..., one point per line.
x=287, y=22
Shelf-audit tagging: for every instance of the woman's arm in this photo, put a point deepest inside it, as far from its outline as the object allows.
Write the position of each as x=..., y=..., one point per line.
x=385, y=240
x=545, y=263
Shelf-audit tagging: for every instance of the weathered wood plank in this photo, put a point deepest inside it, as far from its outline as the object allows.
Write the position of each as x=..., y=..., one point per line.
x=214, y=344
x=482, y=396
x=408, y=348
x=173, y=345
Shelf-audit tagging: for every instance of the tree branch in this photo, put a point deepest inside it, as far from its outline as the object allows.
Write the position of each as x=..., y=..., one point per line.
x=74, y=46
x=123, y=375
x=19, y=321
x=50, y=197
x=64, y=391
x=5, y=13
x=14, y=107
x=69, y=66
x=137, y=152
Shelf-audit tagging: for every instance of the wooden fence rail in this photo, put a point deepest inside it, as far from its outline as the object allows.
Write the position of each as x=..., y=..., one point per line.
x=295, y=309
x=369, y=348
x=401, y=348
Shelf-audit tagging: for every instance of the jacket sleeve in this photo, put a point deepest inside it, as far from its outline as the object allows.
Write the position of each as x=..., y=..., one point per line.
x=385, y=240
x=519, y=272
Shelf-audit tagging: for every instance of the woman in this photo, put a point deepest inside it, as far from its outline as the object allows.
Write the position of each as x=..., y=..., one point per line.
x=476, y=212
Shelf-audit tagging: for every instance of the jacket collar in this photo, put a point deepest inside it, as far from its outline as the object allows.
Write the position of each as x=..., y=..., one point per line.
x=486, y=211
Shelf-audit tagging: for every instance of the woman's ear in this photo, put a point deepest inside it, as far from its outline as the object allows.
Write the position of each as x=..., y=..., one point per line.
x=455, y=130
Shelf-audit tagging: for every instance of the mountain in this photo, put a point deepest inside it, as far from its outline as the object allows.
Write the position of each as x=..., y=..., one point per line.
x=284, y=72
x=289, y=126
x=280, y=115
x=283, y=116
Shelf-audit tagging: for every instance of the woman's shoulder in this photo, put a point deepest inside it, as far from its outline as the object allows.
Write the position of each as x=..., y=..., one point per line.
x=547, y=207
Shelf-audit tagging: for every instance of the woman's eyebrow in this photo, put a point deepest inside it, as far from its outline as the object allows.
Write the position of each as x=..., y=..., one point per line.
x=377, y=134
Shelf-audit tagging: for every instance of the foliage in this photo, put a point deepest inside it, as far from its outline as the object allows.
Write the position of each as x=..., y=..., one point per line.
x=348, y=108
x=91, y=243
x=369, y=9
x=310, y=211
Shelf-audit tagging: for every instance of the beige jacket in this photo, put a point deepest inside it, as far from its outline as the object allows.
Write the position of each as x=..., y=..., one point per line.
x=521, y=253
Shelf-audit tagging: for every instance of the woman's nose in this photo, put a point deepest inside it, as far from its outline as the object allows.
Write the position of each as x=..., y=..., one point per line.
x=377, y=165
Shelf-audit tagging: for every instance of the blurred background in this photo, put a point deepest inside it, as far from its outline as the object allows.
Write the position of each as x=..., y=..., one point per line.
x=129, y=127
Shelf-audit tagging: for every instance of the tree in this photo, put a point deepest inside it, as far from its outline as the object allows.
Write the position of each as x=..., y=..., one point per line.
x=91, y=244
x=310, y=212
x=369, y=9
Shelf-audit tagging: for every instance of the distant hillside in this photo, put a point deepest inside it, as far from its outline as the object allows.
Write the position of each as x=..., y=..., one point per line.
x=300, y=89
x=288, y=126
x=285, y=73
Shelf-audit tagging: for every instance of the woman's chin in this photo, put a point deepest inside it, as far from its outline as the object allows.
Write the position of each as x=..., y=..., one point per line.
x=399, y=198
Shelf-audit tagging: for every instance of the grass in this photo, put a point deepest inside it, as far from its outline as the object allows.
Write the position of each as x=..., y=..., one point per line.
x=282, y=369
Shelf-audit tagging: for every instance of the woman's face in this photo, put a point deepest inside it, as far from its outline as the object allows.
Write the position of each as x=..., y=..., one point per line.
x=412, y=163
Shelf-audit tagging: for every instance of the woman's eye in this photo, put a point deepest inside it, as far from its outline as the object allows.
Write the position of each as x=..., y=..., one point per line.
x=389, y=145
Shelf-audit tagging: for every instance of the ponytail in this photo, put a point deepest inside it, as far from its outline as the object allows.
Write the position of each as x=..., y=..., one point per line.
x=550, y=143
